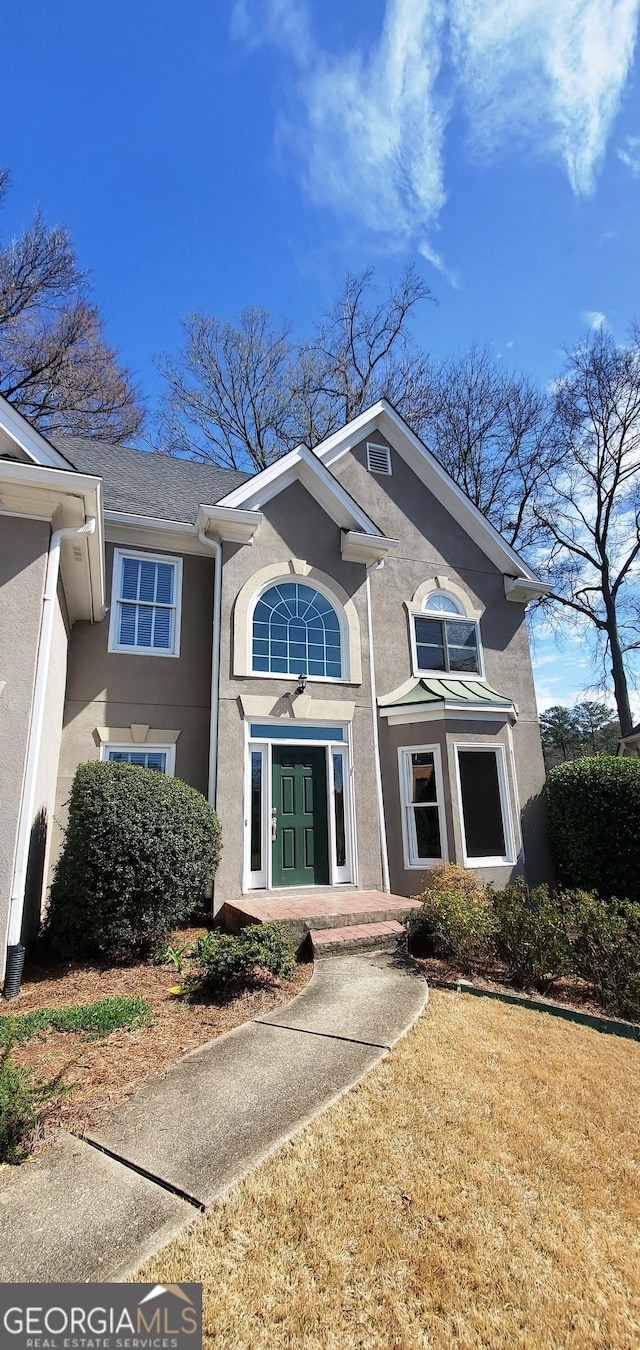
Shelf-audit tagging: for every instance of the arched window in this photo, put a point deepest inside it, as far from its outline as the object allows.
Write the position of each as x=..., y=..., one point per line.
x=438, y=602
x=296, y=631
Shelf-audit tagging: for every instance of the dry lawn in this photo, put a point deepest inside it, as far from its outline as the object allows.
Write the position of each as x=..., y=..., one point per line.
x=479, y=1188
x=103, y=1073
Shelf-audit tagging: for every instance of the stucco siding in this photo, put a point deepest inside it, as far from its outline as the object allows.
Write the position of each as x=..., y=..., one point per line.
x=24, y=548
x=433, y=544
x=45, y=829
x=115, y=689
x=295, y=527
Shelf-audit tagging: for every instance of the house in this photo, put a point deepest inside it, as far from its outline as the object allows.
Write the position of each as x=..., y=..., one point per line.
x=334, y=650
x=629, y=746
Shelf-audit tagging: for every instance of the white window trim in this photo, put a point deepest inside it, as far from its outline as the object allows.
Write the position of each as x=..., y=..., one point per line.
x=345, y=650
x=141, y=554
x=262, y=880
x=106, y=747
x=411, y=861
x=465, y=675
x=498, y=749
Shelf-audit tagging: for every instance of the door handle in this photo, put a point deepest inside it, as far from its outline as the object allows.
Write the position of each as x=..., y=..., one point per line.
x=274, y=824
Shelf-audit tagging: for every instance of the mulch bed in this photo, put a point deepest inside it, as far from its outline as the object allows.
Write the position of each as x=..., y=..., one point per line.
x=104, y=1073
x=572, y=993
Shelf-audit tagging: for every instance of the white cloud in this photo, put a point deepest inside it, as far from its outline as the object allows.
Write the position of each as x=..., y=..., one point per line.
x=544, y=75
x=630, y=155
x=595, y=319
x=548, y=74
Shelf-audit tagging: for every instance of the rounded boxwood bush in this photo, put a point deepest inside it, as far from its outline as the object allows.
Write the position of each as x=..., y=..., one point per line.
x=140, y=852
x=593, y=808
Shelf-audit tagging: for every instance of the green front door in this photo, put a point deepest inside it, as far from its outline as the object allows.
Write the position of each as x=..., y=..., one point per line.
x=299, y=816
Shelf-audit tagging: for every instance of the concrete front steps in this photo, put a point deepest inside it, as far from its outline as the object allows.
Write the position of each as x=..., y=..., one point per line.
x=343, y=919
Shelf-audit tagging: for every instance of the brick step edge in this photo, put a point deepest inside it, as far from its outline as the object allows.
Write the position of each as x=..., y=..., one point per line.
x=364, y=918
x=354, y=935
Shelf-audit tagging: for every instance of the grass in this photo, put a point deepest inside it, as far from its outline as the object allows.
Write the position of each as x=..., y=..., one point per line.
x=106, y=1072
x=479, y=1189
x=91, y=1019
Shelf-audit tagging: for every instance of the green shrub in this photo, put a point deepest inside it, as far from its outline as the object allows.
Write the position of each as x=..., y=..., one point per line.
x=22, y=1107
x=93, y=1019
x=140, y=853
x=593, y=809
x=533, y=933
x=221, y=958
x=455, y=919
x=606, y=952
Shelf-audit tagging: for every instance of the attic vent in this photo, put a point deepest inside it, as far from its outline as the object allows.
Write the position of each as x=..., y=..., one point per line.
x=378, y=458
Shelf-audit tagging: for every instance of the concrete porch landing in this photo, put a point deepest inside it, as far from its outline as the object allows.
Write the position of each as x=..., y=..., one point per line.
x=312, y=911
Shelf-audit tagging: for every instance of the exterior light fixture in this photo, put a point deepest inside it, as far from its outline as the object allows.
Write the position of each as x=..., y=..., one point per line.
x=302, y=683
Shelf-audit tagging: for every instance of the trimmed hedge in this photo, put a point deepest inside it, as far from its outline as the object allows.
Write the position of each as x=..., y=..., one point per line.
x=222, y=958
x=455, y=919
x=593, y=810
x=140, y=853
x=533, y=933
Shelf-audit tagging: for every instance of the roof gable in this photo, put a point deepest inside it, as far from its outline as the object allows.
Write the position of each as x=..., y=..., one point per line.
x=303, y=466
x=383, y=418
x=20, y=441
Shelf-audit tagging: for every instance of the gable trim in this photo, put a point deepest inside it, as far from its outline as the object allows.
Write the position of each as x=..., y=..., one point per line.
x=302, y=465
x=14, y=428
x=383, y=417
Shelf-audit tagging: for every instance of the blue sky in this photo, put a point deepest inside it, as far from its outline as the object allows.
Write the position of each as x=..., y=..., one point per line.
x=215, y=154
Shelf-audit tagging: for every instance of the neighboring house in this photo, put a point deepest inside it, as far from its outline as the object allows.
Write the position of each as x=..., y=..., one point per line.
x=334, y=650
x=629, y=746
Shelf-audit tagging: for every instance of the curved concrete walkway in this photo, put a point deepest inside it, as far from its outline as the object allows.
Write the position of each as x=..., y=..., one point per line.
x=94, y=1209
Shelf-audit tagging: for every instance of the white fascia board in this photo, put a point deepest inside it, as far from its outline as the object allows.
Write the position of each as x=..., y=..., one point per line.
x=63, y=498
x=176, y=536
x=522, y=589
x=228, y=524
x=304, y=466
x=16, y=431
x=365, y=548
x=404, y=441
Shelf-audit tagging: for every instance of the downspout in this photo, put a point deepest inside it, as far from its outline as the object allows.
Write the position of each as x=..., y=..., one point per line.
x=15, y=948
x=384, y=851
x=216, y=548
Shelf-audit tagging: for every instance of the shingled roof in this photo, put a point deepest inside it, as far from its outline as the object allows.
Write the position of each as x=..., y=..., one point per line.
x=145, y=483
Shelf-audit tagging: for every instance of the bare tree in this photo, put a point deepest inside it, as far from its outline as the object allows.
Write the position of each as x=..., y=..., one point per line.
x=240, y=395
x=589, y=515
x=364, y=351
x=228, y=398
x=491, y=430
x=55, y=364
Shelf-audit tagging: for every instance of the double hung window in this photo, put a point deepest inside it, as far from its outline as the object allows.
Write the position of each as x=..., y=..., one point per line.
x=422, y=798
x=445, y=641
x=145, y=607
